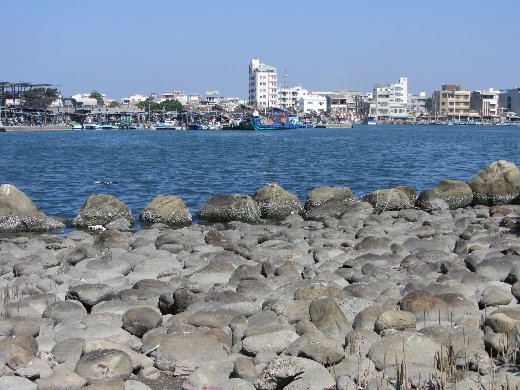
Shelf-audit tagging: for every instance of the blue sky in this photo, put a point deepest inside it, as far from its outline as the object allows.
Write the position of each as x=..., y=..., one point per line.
x=122, y=47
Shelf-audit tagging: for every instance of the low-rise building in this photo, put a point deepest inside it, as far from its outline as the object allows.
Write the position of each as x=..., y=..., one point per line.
x=344, y=103
x=289, y=97
x=312, y=104
x=453, y=103
x=510, y=100
x=133, y=100
x=485, y=103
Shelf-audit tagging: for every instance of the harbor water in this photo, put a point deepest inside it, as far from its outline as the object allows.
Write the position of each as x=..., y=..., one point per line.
x=59, y=170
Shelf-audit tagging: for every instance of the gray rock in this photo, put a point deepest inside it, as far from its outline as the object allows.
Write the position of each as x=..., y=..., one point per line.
x=19, y=214
x=101, y=210
x=396, y=347
x=63, y=380
x=90, y=294
x=388, y=199
x=276, y=203
x=455, y=193
x=227, y=208
x=67, y=311
x=320, y=195
x=430, y=200
x=182, y=354
x=16, y=383
x=268, y=342
x=103, y=364
x=497, y=184
x=140, y=320
x=318, y=347
x=395, y=320
x=329, y=319
x=279, y=373
x=169, y=210
x=68, y=351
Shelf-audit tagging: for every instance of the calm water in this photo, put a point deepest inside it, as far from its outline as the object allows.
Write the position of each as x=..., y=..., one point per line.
x=59, y=170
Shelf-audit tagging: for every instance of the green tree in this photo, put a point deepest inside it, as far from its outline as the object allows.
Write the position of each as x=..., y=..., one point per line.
x=149, y=105
x=172, y=105
x=428, y=104
x=113, y=104
x=99, y=98
x=40, y=98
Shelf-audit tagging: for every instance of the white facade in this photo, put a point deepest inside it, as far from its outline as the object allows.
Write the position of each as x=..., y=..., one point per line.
x=289, y=97
x=85, y=100
x=312, y=104
x=485, y=103
x=263, y=85
x=174, y=95
x=133, y=100
x=391, y=101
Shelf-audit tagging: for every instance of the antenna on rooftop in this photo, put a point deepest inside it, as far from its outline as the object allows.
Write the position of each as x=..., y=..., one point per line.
x=285, y=78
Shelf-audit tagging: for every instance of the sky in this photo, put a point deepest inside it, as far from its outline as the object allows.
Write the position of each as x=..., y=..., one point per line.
x=122, y=47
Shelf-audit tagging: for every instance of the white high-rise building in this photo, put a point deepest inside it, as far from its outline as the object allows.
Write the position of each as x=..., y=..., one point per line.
x=391, y=101
x=263, y=85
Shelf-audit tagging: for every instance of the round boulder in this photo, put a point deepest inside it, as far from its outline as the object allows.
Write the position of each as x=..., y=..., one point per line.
x=276, y=203
x=395, y=319
x=169, y=210
x=388, y=199
x=18, y=213
x=455, y=193
x=431, y=200
x=66, y=311
x=103, y=364
x=227, y=208
x=101, y=210
x=320, y=195
x=140, y=320
x=497, y=184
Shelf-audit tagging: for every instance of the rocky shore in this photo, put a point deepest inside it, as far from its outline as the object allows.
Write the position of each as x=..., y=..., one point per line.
x=397, y=290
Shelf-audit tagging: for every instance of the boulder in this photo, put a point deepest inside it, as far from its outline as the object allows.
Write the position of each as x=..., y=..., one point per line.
x=328, y=318
x=138, y=321
x=184, y=353
x=227, y=208
x=318, y=347
x=430, y=200
x=320, y=195
x=169, y=210
x=395, y=320
x=103, y=364
x=455, y=193
x=101, y=210
x=90, y=294
x=497, y=184
x=19, y=214
x=388, y=200
x=276, y=203
x=331, y=208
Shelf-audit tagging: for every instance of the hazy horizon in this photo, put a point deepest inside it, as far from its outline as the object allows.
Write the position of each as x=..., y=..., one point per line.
x=120, y=48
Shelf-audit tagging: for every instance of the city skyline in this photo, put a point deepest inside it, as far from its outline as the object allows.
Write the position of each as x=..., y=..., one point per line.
x=199, y=45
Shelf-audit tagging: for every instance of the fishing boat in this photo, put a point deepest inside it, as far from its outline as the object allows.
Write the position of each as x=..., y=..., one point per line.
x=169, y=125
x=91, y=126
x=75, y=125
x=258, y=123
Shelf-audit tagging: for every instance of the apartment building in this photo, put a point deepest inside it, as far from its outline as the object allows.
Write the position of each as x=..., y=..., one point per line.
x=289, y=97
x=510, y=100
x=263, y=85
x=391, y=100
x=451, y=102
x=485, y=103
x=342, y=103
x=315, y=104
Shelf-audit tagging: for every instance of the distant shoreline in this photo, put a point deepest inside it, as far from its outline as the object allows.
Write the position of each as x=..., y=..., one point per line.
x=35, y=128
